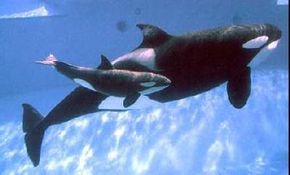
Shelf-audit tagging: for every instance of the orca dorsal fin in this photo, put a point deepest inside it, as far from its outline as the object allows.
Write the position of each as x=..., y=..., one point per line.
x=105, y=63
x=152, y=35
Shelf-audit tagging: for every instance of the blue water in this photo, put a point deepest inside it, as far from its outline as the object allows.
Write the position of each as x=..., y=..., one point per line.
x=203, y=134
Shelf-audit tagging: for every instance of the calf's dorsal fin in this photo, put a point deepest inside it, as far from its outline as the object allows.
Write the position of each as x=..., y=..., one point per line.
x=105, y=63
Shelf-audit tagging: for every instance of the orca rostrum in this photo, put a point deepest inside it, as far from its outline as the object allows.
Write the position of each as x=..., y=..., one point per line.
x=194, y=63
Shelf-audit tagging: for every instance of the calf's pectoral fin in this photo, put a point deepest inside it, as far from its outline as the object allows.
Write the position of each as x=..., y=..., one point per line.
x=239, y=88
x=131, y=99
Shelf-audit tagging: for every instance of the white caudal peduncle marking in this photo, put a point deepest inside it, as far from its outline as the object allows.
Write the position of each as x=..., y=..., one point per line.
x=143, y=56
x=84, y=84
x=263, y=54
x=148, y=84
x=256, y=42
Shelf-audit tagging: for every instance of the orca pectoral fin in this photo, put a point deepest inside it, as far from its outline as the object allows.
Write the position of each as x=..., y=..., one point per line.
x=239, y=88
x=130, y=99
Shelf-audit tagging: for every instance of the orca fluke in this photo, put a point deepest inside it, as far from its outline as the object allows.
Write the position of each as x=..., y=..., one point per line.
x=34, y=124
x=34, y=132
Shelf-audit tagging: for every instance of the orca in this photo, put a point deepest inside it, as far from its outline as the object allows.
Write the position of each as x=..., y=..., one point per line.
x=199, y=61
x=109, y=81
x=194, y=63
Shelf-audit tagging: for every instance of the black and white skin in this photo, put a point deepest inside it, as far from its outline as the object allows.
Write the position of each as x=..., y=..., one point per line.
x=194, y=63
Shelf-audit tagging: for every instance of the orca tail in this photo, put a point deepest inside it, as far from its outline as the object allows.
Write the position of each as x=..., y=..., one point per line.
x=34, y=129
x=49, y=60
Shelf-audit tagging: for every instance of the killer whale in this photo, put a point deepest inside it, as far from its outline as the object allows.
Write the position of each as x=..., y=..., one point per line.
x=199, y=61
x=194, y=62
x=109, y=81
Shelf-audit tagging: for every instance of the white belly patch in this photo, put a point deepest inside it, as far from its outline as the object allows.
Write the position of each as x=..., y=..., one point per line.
x=256, y=42
x=153, y=89
x=143, y=56
x=84, y=84
x=148, y=84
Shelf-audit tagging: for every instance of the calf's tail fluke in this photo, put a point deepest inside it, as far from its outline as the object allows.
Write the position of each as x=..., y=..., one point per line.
x=34, y=129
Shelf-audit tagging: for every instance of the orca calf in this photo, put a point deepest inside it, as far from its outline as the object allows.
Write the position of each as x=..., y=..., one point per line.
x=194, y=63
x=109, y=81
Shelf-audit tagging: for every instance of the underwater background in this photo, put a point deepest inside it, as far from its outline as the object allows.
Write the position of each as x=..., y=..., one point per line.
x=197, y=135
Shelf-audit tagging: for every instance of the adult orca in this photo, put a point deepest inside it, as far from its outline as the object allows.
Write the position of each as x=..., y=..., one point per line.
x=194, y=62
x=199, y=61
